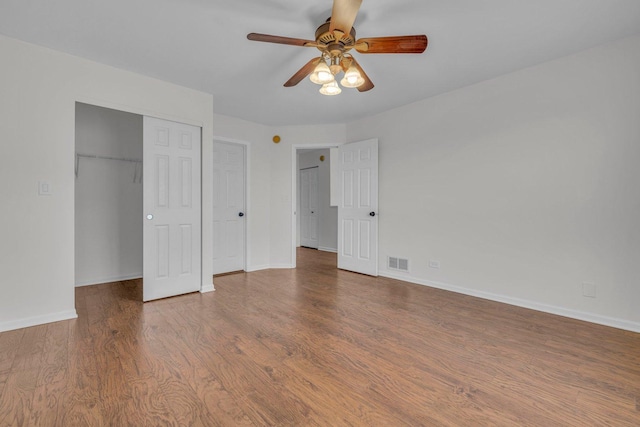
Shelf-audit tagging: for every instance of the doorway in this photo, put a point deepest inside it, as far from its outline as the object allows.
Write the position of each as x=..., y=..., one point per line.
x=108, y=195
x=307, y=157
x=354, y=191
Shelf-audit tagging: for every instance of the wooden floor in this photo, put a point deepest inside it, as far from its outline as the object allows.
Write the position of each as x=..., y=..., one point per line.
x=315, y=346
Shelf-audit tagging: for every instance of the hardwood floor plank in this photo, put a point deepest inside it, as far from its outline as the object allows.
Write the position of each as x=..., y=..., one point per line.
x=17, y=400
x=219, y=407
x=8, y=348
x=80, y=404
x=51, y=381
x=257, y=383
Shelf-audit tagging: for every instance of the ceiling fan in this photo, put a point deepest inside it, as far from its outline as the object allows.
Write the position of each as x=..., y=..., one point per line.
x=335, y=39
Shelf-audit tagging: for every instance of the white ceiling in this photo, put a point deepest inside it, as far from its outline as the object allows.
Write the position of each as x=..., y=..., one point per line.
x=202, y=44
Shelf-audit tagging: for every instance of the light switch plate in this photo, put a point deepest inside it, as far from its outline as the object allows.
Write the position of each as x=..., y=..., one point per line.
x=44, y=188
x=589, y=290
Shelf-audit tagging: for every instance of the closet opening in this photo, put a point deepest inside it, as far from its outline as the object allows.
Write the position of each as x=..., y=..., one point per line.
x=108, y=195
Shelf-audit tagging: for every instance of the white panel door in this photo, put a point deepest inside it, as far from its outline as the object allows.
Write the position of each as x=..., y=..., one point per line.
x=358, y=207
x=171, y=201
x=309, y=207
x=228, y=207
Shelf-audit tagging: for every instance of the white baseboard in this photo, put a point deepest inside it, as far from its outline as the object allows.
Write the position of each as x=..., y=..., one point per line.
x=38, y=320
x=560, y=311
x=267, y=267
x=281, y=266
x=257, y=268
x=102, y=280
x=325, y=249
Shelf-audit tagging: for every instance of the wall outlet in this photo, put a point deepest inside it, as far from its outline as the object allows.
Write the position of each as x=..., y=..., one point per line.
x=434, y=264
x=588, y=290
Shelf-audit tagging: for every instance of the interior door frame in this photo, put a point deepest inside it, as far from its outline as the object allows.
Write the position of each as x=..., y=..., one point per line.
x=247, y=198
x=294, y=189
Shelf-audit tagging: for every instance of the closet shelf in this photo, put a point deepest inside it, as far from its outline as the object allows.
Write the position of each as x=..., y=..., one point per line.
x=119, y=159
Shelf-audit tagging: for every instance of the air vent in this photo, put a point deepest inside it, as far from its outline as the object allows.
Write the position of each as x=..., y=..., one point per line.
x=400, y=264
x=393, y=263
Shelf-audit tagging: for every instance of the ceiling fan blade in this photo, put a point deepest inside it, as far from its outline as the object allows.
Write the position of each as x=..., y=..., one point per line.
x=368, y=84
x=344, y=15
x=395, y=44
x=302, y=72
x=278, y=39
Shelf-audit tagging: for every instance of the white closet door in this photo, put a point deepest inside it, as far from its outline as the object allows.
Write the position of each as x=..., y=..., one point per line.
x=171, y=201
x=309, y=207
x=228, y=207
x=358, y=207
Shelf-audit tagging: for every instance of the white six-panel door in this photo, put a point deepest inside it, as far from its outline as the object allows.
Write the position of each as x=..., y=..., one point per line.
x=228, y=207
x=309, y=207
x=171, y=202
x=358, y=207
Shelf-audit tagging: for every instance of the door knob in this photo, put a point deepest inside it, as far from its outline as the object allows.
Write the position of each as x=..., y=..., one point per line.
x=149, y=216
x=372, y=214
x=241, y=214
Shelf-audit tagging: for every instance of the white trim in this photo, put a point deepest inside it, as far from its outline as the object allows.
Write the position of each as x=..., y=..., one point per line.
x=104, y=280
x=324, y=249
x=294, y=190
x=38, y=320
x=257, y=268
x=207, y=287
x=281, y=266
x=551, y=309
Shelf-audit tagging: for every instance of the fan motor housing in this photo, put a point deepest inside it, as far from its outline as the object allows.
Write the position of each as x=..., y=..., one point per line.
x=325, y=37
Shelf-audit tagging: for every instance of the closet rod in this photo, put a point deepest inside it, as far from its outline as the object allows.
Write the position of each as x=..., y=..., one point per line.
x=122, y=159
x=92, y=156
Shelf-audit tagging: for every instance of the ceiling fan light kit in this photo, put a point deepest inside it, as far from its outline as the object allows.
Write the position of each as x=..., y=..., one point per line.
x=325, y=76
x=334, y=39
x=352, y=78
x=330, y=89
x=321, y=74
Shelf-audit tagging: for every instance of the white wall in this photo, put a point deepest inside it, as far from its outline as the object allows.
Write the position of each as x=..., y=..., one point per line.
x=108, y=196
x=523, y=187
x=39, y=90
x=327, y=214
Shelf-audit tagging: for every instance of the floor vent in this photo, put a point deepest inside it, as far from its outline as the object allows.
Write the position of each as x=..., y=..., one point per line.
x=400, y=264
